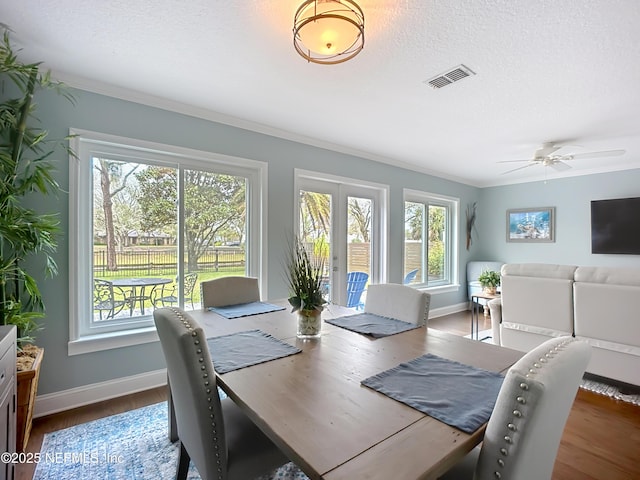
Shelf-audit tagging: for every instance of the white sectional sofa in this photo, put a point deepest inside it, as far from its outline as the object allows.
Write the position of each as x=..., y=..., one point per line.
x=600, y=305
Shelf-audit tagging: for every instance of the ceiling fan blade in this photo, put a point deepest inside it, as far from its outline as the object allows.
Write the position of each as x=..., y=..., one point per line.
x=608, y=153
x=560, y=166
x=519, y=168
x=511, y=161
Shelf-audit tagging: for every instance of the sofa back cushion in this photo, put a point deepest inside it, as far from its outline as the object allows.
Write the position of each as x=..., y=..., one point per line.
x=538, y=298
x=542, y=270
x=607, y=304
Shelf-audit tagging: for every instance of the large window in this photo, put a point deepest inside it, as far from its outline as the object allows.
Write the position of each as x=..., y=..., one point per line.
x=152, y=222
x=430, y=226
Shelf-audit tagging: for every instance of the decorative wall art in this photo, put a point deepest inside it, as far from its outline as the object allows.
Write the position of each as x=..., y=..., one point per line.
x=535, y=225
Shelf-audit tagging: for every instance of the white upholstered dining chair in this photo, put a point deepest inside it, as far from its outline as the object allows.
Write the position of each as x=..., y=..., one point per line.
x=397, y=301
x=224, y=291
x=222, y=442
x=523, y=434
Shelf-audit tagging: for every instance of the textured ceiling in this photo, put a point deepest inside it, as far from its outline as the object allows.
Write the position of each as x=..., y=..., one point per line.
x=546, y=71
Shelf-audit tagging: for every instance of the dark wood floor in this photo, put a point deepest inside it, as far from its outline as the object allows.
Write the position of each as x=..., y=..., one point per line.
x=601, y=440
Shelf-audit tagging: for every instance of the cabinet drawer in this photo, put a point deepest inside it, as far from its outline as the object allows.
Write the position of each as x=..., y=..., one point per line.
x=7, y=360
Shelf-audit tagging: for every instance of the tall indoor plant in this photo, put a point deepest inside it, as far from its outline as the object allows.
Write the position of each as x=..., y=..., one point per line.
x=305, y=275
x=25, y=170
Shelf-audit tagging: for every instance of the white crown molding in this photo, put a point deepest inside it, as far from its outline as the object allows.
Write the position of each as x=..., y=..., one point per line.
x=205, y=114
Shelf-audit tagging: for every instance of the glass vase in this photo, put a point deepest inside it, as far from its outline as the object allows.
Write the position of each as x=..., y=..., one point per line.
x=309, y=323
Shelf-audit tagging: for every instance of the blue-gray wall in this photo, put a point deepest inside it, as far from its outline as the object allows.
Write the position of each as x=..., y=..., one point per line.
x=571, y=198
x=117, y=117
x=103, y=114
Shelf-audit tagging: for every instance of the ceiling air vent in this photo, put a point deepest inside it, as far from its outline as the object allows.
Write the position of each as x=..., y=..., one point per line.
x=453, y=75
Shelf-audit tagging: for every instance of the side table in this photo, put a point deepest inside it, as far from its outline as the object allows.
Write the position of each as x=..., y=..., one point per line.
x=475, y=311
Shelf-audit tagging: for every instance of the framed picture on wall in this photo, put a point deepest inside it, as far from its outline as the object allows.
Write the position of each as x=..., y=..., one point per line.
x=531, y=225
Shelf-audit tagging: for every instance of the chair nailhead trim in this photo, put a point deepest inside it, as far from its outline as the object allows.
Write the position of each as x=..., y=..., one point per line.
x=185, y=321
x=522, y=400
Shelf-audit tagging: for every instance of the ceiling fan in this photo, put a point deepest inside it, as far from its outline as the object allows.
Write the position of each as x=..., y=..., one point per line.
x=547, y=157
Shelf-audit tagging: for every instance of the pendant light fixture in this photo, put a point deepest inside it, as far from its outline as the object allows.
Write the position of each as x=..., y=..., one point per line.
x=328, y=31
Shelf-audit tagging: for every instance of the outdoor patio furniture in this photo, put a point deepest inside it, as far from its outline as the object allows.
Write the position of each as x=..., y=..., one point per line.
x=356, y=281
x=167, y=295
x=104, y=299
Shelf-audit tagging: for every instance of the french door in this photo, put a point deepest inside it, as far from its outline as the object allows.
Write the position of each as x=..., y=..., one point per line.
x=343, y=220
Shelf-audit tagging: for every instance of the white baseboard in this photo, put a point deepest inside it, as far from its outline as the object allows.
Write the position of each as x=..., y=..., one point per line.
x=449, y=309
x=97, y=392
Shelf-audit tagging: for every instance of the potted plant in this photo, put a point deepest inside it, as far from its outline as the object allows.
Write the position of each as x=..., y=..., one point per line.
x=25, y=170
x=305, y=276
x=490, y=280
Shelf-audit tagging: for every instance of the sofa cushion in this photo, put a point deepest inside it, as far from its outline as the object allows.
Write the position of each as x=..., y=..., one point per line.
x=608, y=275
x=608, y=312
x=545, y=303
x=545, y=270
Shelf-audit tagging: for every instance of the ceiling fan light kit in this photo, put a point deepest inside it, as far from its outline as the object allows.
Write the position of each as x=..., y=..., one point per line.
x=328, y=31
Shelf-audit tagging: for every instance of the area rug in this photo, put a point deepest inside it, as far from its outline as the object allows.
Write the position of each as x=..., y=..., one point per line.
x=611, y=391
x=131, y=445
x=589, y=384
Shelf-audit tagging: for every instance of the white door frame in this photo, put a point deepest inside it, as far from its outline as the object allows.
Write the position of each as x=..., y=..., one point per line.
x=340, y=188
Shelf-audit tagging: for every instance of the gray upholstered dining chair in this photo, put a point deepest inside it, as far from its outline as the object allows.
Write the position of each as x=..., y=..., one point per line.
x=523, y=434
x=224, y=291
x=222, y=442
x=397, y=301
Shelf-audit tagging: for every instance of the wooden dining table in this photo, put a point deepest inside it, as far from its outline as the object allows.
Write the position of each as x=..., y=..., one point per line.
x=313, y=406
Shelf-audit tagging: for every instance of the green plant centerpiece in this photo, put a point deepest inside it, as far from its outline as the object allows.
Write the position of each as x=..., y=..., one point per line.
x=26, y=171
x=490, y=280
x=305, y=276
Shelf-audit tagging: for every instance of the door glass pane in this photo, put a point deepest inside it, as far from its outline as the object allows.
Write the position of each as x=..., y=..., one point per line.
x=315, y=229
x=358, y=249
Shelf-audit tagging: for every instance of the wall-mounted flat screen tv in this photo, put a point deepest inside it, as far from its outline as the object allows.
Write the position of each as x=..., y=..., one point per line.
x=615, y=226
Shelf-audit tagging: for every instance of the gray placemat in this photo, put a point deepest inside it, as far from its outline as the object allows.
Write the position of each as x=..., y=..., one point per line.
x=457, y=394
x=246, y=309
x=244, y=349
x=372, y=325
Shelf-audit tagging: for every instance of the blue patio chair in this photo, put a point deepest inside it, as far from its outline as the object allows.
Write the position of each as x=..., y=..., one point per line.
x=409, y=277
x=356, y=281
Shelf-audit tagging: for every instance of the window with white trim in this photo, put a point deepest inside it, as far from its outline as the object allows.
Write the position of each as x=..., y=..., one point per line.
x=149, y=223
x=430, y=239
